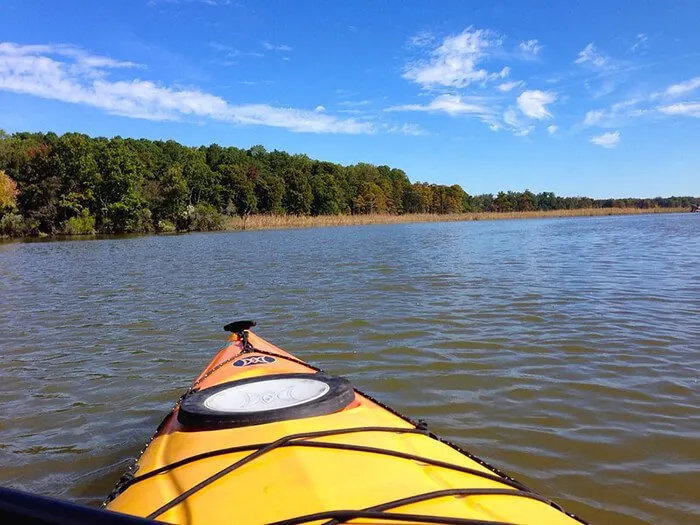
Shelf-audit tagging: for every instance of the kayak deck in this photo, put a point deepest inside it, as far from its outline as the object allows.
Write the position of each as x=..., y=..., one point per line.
x=364, y=463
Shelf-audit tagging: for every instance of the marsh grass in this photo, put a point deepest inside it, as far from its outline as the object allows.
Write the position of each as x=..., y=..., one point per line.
x=275, y=222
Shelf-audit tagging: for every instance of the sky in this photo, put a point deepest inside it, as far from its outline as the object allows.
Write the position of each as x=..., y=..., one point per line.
x=596, y=98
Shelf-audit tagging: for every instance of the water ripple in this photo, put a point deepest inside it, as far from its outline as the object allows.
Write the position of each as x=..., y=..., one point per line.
x=566, y=351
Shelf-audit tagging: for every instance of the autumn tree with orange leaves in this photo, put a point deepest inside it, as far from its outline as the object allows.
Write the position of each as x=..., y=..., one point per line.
x=8, y=191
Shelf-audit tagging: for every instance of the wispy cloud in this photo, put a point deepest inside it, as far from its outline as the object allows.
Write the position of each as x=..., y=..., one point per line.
x=412, y=130
x=607, y=140
x=80, y=57
x=608, y=72
x=591, y=56
x=509, y=86
x=593, y=117
x=640, y=43
x=552, y=130
x=687, y=109
x=255, y=83
x=421, y=39
x=530, y=48
x=457, y=61
x=534, y=103
x=457, y=106
x=68, y=74
x=683, y=88
x=516, y=124
x=276, y=47
x=232, y=52
x=449, y=104
x=664, y=102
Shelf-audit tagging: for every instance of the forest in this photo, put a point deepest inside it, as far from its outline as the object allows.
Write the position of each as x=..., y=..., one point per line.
x=75, y=184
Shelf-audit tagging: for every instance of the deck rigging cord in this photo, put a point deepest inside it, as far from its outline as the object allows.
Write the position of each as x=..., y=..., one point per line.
x=377, y=512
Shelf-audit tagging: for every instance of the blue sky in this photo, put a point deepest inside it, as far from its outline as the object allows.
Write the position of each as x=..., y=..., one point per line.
x=600, y=98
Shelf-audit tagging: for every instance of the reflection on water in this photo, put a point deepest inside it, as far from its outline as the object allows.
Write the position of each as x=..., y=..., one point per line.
x=566, y=351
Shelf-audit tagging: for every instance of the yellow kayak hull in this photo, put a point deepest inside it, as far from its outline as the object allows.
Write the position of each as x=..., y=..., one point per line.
x=314, y=473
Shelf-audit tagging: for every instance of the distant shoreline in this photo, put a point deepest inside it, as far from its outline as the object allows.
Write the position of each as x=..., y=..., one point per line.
x=284, y=222
x=281, y=222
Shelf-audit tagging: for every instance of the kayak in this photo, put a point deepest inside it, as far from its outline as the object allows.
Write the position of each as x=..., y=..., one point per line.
x=262, y=437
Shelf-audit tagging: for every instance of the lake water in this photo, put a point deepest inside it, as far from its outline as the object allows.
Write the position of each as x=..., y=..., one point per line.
x=565, y=351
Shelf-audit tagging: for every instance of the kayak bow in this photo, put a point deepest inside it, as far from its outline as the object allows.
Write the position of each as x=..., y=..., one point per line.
x=262, y=437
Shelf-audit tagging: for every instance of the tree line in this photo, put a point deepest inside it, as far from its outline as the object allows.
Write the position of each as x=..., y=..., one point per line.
x=76, y=184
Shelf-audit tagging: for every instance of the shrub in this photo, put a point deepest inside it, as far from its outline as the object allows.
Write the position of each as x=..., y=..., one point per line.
x=83, y=224
x=165, y=226
x=142, y=222
x=205, y=217
x=12, y=225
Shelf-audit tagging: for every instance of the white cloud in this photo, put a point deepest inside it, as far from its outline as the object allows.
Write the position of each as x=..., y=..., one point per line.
x=80, y=78
x=688, y=109
x=276, y=47
x=552, y=129
x=620, y=113
x=607, y=140
x=450, y=104
x=517, y=126
x=591, y=56
x=531, y=48
x=320, y=109
x=456, y=61
x=456, y=105
x=594, y=117
x=684, y=87
x=533, y=103
x=80, y=57
x=509, y=86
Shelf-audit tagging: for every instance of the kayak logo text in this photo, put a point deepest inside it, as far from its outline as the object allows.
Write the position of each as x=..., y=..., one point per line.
x=254, y=360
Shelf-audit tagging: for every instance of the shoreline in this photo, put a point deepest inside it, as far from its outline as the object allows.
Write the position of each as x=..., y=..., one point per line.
x=282, y=222
x=286, y=222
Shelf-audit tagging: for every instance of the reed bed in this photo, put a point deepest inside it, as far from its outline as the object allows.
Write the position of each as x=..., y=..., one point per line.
x=276, y=222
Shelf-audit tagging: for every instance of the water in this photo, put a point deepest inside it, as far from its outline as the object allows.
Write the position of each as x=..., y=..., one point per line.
x=566, y=351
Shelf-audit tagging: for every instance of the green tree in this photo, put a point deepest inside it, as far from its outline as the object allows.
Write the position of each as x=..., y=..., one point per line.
x=298, y=196
x=174, y=197
x=239, y=188
x=327, y=195
x=269, y=190
x=76, y=168
x=121, y=207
